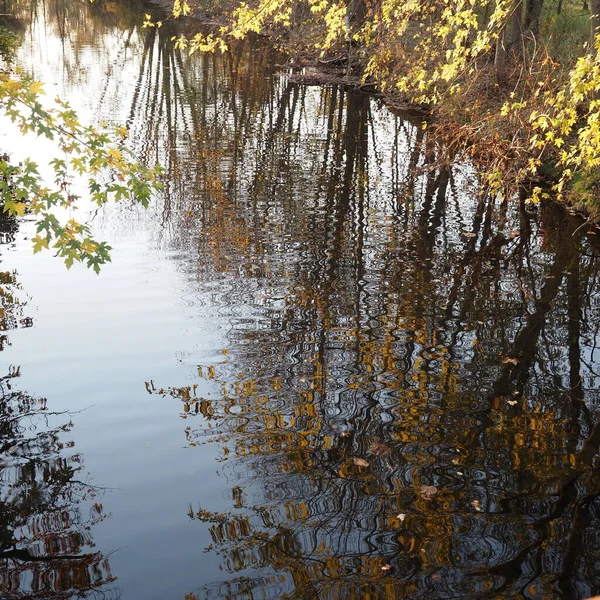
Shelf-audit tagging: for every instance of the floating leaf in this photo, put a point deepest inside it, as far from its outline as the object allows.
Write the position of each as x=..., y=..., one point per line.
x=380, y=449
x=360, y=462
x=428, y=491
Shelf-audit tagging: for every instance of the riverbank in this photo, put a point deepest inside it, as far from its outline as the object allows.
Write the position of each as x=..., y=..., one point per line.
x=529, y=123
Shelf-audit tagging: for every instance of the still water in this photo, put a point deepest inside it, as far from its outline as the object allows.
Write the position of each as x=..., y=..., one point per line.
x=322, y=365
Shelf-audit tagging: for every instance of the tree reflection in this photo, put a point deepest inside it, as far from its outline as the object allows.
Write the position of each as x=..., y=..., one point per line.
x=43, y=534
x=407, y=402
x=408, y=408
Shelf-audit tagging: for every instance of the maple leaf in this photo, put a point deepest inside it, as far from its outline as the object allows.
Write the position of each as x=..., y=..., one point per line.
x=39, y=243
x=37, y=87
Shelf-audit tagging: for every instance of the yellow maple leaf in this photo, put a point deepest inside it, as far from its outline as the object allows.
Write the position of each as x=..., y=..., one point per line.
x=19, y=208
x=37, y=87
x=39, y=243
x=114, y=155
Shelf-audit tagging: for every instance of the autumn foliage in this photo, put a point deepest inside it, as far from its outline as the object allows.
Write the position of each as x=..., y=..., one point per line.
x=512, y=84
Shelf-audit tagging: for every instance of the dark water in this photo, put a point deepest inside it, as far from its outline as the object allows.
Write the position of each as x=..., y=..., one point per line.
x=322, y=365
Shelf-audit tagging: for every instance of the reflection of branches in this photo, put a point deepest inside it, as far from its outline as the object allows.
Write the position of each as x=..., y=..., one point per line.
x=324, y=501
x=375, y=424
x=42, y=533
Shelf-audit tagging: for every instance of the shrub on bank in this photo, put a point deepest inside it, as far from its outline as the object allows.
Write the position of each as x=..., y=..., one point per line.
x=514, y=84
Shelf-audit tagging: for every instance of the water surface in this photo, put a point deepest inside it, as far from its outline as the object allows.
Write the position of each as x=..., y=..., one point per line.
x=324, y=364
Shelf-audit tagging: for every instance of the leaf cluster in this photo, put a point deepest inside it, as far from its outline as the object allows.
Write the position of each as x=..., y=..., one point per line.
x=100, y=158
x=443, y=56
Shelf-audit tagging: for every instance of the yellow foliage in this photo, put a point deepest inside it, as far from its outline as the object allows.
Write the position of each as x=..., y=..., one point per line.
x=429, y=52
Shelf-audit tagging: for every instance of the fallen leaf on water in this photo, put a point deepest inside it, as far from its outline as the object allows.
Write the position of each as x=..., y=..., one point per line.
x=379, y=449
x=512, y=402
x=509, y=361
x=476, y=505
x=428, y=491
x=401, y=516
x=386, y=567
x=360, y=462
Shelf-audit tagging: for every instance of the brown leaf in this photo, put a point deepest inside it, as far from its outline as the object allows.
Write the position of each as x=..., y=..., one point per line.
x=428, y=491
x=380, y=449
x=360, y=462
x=509, y=361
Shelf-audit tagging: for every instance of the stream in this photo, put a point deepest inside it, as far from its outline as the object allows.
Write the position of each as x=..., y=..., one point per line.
x=322, y=364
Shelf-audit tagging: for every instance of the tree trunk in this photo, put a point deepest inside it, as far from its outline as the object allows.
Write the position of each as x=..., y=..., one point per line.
x=500, y=60
x=509, y=41
x=356, y=12
x=514, y=31
x=533, y=10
